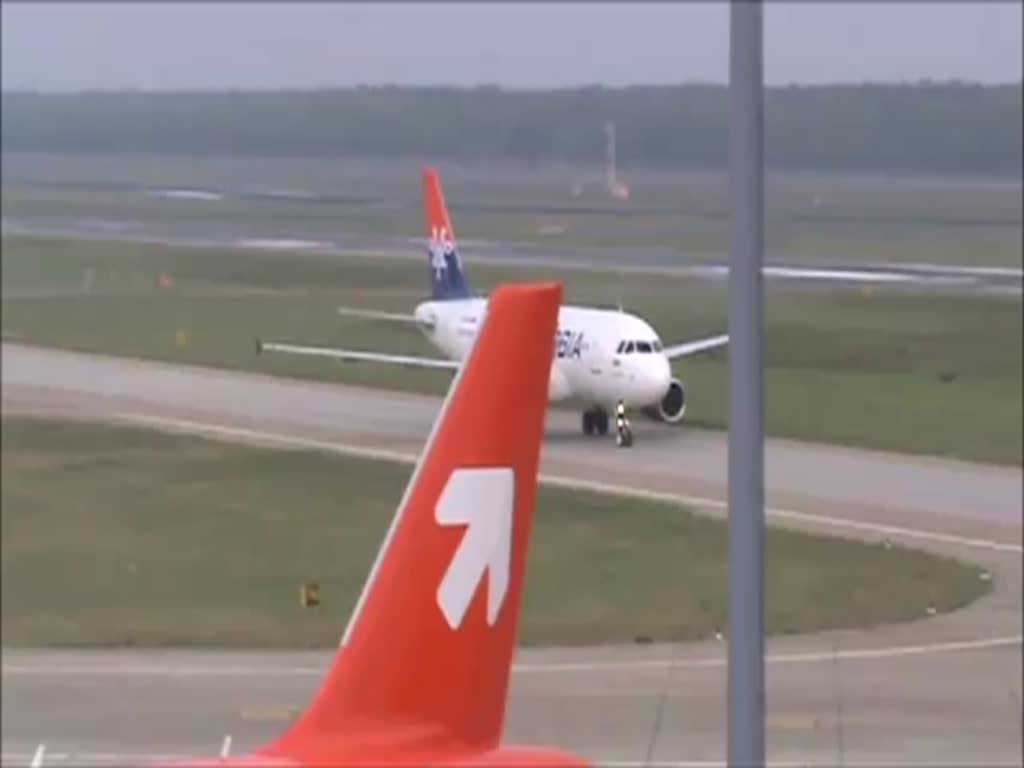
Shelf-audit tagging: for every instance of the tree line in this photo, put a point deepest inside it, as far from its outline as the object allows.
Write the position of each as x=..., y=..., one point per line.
x=949, y=128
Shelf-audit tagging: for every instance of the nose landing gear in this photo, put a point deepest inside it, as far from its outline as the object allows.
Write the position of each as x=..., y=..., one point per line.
x=623, y=431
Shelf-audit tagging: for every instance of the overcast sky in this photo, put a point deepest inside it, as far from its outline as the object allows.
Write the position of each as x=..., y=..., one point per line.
x=53, y=46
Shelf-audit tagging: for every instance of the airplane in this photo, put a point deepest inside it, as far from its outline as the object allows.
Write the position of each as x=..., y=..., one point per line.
x=603, y=357
x=422, y=672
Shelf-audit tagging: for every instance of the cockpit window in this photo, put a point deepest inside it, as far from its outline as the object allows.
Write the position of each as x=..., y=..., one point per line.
x=639, y=347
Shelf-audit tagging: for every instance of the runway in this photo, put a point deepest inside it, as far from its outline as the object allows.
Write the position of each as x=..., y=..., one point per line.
x=941, y=690
x=213, y=233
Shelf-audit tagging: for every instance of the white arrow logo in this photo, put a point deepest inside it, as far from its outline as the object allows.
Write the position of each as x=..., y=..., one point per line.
x=483, y=500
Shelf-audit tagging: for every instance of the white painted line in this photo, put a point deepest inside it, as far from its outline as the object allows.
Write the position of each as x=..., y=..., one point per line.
x=810, y=657
x=218, y=430
x=241, y=433
x=185, y=670
x=847, y=275
x=37, y=758
x=100, y=758
x=280, y=243
x=953, y=269
x=186, y=194
x=159, y=670
x=813, y=657
x=837, y=274
x=783, y=514
x=8, y=758
x=225, y=748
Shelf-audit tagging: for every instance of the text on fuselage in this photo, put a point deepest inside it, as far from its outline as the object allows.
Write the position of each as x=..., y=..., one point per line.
x=568, y=344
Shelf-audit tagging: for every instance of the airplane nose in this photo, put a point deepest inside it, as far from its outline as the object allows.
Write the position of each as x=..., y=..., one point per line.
x=662, y=373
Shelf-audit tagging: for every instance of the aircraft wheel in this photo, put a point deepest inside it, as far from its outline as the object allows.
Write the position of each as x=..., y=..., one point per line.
x=589, y=427
x=624, y=437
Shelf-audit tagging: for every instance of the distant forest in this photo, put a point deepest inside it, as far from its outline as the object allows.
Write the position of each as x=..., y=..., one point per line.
x=943, y=128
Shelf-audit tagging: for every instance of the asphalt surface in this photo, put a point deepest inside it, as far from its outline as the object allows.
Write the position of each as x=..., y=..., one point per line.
x=942, y=690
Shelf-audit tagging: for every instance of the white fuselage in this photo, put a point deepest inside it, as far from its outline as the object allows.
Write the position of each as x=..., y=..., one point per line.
x=601, y=356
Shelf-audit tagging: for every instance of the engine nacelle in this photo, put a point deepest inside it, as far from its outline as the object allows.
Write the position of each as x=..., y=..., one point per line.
x=672, y=406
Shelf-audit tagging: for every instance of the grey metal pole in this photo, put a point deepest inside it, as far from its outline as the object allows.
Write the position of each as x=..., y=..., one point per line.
x=746, y=723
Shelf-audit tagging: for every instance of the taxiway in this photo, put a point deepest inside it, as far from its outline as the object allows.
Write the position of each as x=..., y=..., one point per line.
x=942, y=690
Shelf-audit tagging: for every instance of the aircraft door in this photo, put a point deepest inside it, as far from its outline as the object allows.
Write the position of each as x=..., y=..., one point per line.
x=619, y=363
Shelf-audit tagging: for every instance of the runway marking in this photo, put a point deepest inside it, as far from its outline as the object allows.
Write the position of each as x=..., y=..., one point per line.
x=811, y=657
x=896, y=273
x=570, y=482
x=100, y=758
x=239, y=670
x=783, y=514
x=953, y=269
x=37, y=757
x=225, y=748
x=853, y=654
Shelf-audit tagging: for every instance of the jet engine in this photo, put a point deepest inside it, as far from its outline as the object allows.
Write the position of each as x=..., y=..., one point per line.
x=672, y=406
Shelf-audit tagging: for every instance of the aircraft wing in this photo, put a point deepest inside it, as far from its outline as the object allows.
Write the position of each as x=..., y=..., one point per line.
x=375, y=314
x=355, y=355
x=697, y=345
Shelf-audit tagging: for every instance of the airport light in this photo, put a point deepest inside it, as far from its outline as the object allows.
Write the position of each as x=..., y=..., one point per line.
x=746, y=684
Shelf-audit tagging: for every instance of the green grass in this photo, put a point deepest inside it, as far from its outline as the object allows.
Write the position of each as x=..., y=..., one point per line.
x=125, y=536
x=930, y=374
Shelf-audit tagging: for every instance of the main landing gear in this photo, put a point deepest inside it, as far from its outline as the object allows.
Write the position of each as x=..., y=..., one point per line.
x=596, y=422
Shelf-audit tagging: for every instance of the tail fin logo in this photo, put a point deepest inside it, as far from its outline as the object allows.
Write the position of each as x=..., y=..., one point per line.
x=486, y=546
x=448, y=280
x=442, y=247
